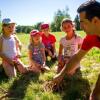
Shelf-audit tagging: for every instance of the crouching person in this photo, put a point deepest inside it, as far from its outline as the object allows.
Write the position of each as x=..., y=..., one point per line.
x=37, y=53
x=8, y=50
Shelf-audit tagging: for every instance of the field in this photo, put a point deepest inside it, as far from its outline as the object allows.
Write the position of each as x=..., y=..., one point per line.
x=30, y=85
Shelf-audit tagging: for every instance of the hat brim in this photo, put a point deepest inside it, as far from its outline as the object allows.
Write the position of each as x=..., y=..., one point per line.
x=9, y=23
x=39, y=33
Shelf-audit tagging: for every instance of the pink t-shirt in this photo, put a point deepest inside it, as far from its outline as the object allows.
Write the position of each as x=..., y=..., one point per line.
x=70, y=46
x=9, y=47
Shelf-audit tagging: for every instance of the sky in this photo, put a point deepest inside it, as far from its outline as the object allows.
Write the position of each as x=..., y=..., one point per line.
x=30, y=12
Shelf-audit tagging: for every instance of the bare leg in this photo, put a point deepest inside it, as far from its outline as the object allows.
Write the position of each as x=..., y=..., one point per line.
x=21, y=67
x=9, y=70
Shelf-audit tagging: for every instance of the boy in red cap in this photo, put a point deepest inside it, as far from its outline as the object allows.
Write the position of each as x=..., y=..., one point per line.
x=49, y=41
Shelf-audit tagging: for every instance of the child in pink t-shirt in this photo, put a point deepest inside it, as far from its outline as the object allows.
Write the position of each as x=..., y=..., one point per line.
x=49, y=41
x=69, y=44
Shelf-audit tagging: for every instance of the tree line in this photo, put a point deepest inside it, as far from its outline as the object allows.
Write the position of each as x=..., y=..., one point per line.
x=55, y=24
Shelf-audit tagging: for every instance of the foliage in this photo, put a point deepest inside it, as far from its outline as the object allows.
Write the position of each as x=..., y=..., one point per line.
x=77, y=22
x=0, y=28
x=23, y=29
x=55, y=25
x=27, y=29
x=0, y=21
x=58, y=17
x=37, y=26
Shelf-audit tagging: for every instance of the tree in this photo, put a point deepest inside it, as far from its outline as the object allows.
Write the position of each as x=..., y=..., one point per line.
x=0, y=21
x=58, y=17
x=23, y=29
x=53, y=27
x=18, y=29
x=77, y=22
x=37, y=26
x=0, y=28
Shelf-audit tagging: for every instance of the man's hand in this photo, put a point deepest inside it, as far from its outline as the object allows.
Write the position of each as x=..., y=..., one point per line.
x=10, y=61
x=57, y=79
x=91, y=97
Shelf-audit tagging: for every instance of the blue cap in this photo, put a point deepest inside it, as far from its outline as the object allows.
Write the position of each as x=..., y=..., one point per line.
x=7, y=21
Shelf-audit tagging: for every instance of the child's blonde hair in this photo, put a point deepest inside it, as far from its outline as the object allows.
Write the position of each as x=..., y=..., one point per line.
x=32, y=33
x=2, y=30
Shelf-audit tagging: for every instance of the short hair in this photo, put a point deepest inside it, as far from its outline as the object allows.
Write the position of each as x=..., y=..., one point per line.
x=92, y=9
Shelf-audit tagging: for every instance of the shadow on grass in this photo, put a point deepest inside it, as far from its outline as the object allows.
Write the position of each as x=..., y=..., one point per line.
x=18, y=89
x=3, y=76
x=75, y=88
x=50, y=63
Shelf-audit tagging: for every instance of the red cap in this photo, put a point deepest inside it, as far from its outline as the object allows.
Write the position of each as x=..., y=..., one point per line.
x=44, y=26
x=34, y=32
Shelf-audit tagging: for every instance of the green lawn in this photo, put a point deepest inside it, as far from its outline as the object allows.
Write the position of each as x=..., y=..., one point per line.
x=30, y=86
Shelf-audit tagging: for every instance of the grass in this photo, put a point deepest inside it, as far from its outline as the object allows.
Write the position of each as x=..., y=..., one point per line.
x=30, y=86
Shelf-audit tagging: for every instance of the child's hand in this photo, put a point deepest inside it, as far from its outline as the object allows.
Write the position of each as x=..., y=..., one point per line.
x=15, y=60
x=43, y=64
x=11, y=62
x=50, y=53
x=57, y=79
x=55, y=55
x=38, y=65
x=19, y=56
x=60, y=62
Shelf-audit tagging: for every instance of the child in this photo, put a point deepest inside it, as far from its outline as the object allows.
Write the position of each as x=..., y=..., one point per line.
x=18, y=42
x=49, y=41
x=8, y=50
x=18, y=45
x=37, y=53
x=69, y=43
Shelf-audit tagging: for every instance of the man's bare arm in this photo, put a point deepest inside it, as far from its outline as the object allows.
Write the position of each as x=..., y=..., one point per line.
x=73, y=62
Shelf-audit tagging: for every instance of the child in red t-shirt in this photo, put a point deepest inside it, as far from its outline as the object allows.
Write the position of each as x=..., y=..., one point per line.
x=49, y=41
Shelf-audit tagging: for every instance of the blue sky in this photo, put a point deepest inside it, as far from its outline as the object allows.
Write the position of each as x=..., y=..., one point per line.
x=29, y=12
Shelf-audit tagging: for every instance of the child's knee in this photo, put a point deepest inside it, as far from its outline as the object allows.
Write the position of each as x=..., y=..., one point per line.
x=11, y=73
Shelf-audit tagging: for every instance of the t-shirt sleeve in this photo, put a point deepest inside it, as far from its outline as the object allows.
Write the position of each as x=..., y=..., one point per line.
x=53, y=39
x=87, y=43
x=80, y=40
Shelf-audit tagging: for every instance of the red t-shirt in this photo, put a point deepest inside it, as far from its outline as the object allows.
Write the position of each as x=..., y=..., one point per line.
x=91, y=41
x=48, y=40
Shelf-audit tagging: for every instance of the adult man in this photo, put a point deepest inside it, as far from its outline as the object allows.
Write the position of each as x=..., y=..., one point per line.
x=89, y=13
